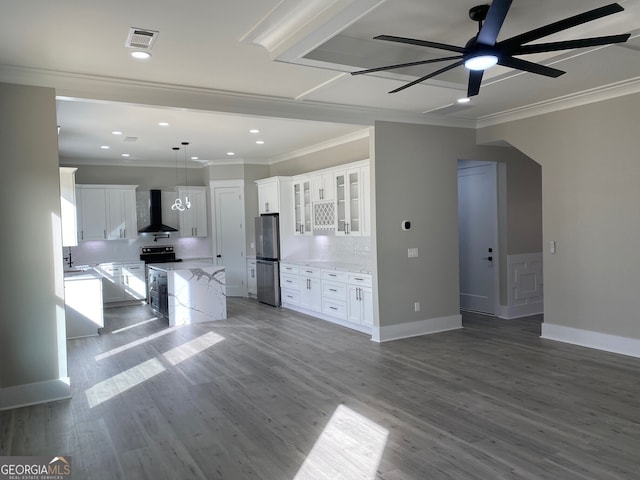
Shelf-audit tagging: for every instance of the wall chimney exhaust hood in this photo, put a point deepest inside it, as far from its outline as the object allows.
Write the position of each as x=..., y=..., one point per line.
x=155, y=214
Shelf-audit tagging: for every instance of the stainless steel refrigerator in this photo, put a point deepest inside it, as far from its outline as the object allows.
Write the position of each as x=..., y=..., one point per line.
x=267, y=259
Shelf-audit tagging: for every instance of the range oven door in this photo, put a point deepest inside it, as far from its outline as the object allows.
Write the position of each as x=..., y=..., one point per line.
x=158, y=294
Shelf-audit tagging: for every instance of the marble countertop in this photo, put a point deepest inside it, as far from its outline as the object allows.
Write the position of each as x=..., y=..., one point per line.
x=331, y=265
x=184, y=265
x=76, y=275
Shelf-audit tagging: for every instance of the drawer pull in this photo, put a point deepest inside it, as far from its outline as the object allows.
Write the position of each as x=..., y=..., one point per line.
x=359, y=279
x=333, y=308
x=332, y=275
x=333, y=290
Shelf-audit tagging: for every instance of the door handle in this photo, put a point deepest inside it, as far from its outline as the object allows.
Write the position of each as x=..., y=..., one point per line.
x=218, y=256
x=488, y=258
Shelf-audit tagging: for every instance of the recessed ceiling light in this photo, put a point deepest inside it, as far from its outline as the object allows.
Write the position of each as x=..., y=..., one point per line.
x=254, y=130
x=140, y=55
x=481, y=62
x=116, y=132
x=105, y=147
x=259, y=142
x=231, y=154
x=163, y=124
x=194, y=158
x=125, y=155
x=464, y=100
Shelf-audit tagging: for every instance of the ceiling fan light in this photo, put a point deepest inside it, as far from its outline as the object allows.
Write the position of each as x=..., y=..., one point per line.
x=481, y=62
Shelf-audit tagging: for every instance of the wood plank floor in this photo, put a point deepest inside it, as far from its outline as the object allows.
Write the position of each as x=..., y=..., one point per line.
x=274, y=395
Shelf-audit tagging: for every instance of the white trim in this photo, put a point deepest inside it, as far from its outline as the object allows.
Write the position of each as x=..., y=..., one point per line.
x=587, y=338
x=35, y=393
x=414, y=329
x=318, y=147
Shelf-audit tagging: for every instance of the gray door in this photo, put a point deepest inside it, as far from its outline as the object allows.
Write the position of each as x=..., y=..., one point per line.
x=477, y=222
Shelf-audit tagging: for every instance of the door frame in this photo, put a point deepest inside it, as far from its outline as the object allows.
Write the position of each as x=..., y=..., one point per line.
x=469, y=163
x=234, y=183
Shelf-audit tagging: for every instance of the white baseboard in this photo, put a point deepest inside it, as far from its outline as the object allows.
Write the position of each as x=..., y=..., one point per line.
x=509, y=312
x=415, y=329
x=586, y=338
x=35, y=393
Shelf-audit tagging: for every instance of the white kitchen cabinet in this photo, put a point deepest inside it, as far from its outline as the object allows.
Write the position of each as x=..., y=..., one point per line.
x=121, y=213
x=349, y=201
x=301, y=187
x=68, y=210
x=289, y=285
x=322, y=188
x=106, y=212
x=310, y=287
x=360, y=299
x=193, y=221
x=252, y=285
x=272, y=193
x=134, y=281
x=122, y=282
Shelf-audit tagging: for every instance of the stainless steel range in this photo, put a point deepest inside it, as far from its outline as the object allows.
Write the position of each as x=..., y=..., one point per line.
x=157, y=294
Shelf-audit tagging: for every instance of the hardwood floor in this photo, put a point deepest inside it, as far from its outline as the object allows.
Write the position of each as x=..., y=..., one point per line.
x=272, y=394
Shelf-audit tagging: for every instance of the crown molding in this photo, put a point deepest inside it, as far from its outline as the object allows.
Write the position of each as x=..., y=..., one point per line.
x=318, y=147
x=606, y=92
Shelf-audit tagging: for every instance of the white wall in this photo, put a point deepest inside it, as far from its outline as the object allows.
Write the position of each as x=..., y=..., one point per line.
x=591, y=197
x=33, y=364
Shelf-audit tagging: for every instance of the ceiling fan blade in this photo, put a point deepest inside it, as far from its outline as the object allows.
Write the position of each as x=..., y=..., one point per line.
x=569, y=44
x=426, y=77
x=493, y=23
x=561, y=25
x=531, y=67
x=420, y=43
x=475, y=78
x=402, y=65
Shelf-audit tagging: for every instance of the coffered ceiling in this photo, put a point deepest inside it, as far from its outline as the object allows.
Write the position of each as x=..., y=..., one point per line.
x=220, y=68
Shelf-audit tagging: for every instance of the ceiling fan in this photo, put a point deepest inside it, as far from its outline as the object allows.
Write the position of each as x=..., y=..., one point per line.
x=483, y=51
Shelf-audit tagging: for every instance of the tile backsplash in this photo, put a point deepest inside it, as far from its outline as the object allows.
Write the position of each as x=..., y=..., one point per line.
x=353, y=250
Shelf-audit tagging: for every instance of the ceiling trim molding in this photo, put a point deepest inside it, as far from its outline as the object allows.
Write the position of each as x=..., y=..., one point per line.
x=619, y=89
x=294, y=28
x=137, y=92
x=318, y=147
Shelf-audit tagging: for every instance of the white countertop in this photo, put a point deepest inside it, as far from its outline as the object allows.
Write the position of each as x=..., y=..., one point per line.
x=184, y=265
x=331, y=265
x=84, y=274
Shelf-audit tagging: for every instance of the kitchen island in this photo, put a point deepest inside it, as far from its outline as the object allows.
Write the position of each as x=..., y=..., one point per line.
x=196, y=291
x=83, y=302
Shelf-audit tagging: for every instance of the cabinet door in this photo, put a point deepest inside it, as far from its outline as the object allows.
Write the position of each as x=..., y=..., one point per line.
x=322, y=188
x=340, y=182
x=121, y=213
x=311, y=293
x=93, y=223
x=112, y=290
x=130, y=214
x=349, y=195
x=193, y=221
x=268, y=197
x=302, y=207
x=360, y=305
x=366, y=299
x=252, y=287
x=133, y=281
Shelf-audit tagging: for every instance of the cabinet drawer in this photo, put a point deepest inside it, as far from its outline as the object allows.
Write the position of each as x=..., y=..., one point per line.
x=289, y=281
x=291, y=297
x=334, y=309
x=360, y=279
x=289, y=268
x=313, y=272
x=334, y=275
x=337, y=291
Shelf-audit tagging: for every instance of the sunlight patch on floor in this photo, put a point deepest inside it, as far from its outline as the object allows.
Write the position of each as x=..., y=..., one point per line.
x=349, y=447
x=152, y=319
x=126, y=380
x=135, y=343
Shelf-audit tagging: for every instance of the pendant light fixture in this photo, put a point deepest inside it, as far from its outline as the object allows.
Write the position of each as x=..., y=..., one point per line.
x=187, y=203
x=177, y=205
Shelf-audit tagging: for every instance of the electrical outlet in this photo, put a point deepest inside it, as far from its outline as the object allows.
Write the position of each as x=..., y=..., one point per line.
x=412, y=252
x=416, y=306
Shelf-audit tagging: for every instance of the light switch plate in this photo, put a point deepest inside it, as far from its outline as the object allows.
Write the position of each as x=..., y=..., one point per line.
x=412, y=252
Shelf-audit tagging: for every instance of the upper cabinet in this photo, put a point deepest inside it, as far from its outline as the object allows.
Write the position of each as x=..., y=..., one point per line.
x=322, y=187
x=193, y=221
x=273, y=193
x=68, y=209
x=352, y=200
x=302, y=205
x=106, y=212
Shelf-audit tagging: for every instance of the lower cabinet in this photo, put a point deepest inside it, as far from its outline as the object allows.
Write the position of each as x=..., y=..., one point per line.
x=122, y=282
x=252, y=284
x=339, y=296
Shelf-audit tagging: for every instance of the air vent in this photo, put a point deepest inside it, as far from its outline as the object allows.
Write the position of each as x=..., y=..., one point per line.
x=130, y=139
x=141, y=39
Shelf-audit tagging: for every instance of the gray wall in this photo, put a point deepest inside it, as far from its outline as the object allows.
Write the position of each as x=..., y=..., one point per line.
x=32, y=333
x=590, y=173
x=146, y=177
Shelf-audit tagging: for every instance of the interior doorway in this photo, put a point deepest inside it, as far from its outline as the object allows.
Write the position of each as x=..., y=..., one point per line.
x=478, y=236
